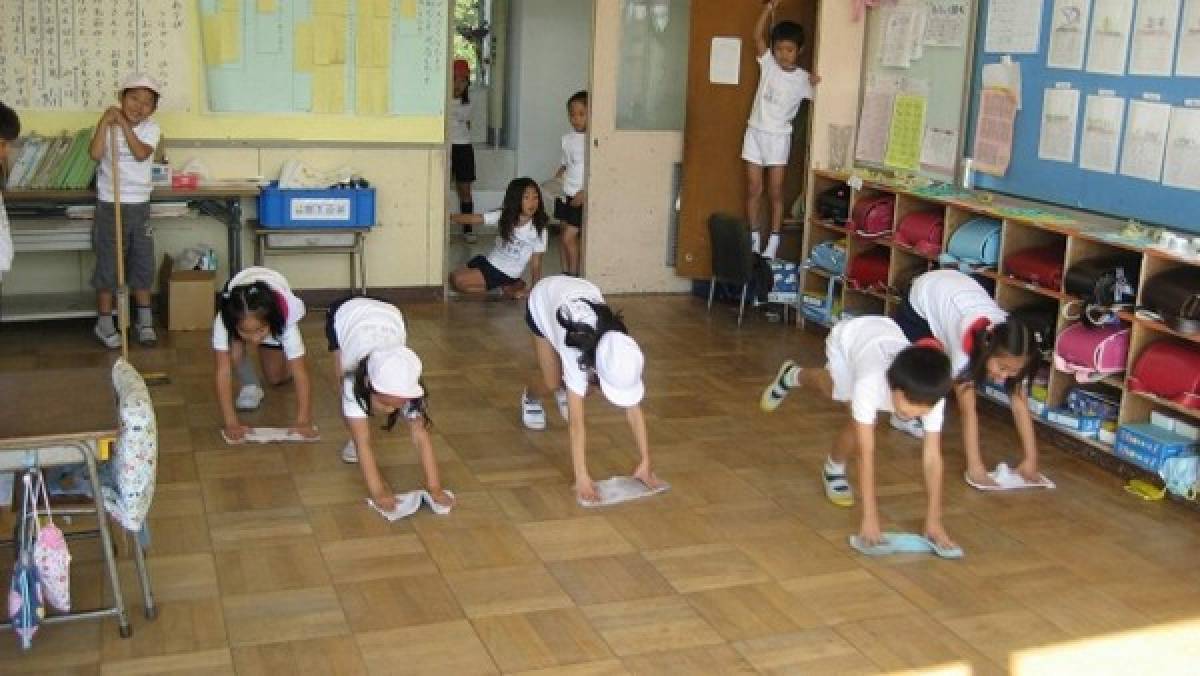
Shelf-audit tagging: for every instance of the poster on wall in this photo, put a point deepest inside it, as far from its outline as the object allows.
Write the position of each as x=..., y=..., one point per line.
x=1013, y=26
x=1060, y=117
x=1068, y=31
x=1188, y=61
x=906, y=132
x=994, y=131
x=875, y=118
x=1109, y=39
x=1181, y=169
x=939, y=149
x=947, y=23
x=1101, y=141
x=1145, y=140
x=897, y=47
x=1154, y=31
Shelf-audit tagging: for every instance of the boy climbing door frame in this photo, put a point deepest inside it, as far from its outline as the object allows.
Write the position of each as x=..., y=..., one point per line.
x=714, y=174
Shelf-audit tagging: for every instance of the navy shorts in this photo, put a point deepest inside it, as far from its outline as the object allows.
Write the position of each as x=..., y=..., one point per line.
x=492, y=277
x=568, y=214
x=532, y=324
x=914, y=326
x=462, y=162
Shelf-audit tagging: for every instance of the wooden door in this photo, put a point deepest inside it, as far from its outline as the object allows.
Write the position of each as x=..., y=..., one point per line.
x=713, y=169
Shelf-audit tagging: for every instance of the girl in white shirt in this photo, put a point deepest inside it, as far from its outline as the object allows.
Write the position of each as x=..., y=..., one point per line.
x=984, y=344
x=257, y=309
x=522, y=241
x=580, y=341
x=377, y=373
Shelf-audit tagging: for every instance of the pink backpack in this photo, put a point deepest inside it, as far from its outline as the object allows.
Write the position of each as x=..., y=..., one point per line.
x=1092, y=353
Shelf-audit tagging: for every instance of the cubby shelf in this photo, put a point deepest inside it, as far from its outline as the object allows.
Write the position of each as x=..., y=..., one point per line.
x=1020, y=229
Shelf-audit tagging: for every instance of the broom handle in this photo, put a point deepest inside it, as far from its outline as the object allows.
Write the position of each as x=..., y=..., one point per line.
x=119, y=232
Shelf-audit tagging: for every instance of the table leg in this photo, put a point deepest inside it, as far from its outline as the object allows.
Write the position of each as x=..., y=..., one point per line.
x=362, y=261
x=106, y=541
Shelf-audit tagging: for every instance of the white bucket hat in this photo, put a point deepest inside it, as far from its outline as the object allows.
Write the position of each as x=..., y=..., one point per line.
x=141, y=81
x=396, y=372
x=619, y=364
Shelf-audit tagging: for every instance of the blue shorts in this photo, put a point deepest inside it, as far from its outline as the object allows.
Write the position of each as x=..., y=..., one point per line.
x=492, y=276
x=914, y=326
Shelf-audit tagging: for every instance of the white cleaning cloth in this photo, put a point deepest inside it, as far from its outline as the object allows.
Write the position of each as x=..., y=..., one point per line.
x=408, y=503
x=620, y=489
x=271, y=435
x=1008, y=479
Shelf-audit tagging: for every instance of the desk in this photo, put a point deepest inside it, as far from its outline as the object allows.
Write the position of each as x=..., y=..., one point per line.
x=46, y=420
x=292, y=241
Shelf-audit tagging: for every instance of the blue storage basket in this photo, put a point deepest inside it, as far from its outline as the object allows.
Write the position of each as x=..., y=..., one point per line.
x=328, y=208
x=1149, y=446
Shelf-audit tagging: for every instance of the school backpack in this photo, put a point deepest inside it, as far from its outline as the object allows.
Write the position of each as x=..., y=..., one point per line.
x=1042, y=322
x=975, y=243
x=1175, y=296
x=873, y=216
x=834, y=204
x=1169, y=370
x=1091, y=353
x=1040, y=265
x=829, y=256
x=868, y=270
x=921, y=230
x=1104, y=285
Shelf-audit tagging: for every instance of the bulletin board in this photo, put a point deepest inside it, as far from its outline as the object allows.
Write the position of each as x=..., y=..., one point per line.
x=916, y=76
x=238, y=70
x=1124, y=142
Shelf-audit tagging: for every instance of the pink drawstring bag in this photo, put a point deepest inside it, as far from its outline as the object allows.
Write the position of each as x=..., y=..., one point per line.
x=50, y=552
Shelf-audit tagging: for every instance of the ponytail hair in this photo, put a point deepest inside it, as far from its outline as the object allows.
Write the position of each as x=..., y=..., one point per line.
x=256, y=299
x=1011, y=338
x=362, y=390
x=585, y=338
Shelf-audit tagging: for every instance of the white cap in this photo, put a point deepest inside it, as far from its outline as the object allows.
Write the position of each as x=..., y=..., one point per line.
x=619, y=364
x=579, y=311
x=141, y=81
x=395, y=371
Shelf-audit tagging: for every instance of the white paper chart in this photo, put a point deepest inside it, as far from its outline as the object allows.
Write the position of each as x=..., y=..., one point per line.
x=1182, y=166
x=1145, y=140
x=1068, y=31
x=1013, y=26
x=1102, y=120
x=73, y=54
x=1109, y=41
x=1154, y=30
x=1188, y=61
x=1060, y=115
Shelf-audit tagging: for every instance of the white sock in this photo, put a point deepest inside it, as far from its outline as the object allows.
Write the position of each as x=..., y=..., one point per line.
x=145, y=315
x=755, y=241
x=772, y=245
x=835, y=468
x=107, y=324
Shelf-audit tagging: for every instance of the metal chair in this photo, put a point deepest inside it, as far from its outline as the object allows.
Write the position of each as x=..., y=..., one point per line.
x=732, y=259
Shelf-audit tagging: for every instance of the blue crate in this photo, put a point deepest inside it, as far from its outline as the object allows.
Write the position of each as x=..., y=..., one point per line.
x=329, y=208
x=1148, y=446
x=1083, y=425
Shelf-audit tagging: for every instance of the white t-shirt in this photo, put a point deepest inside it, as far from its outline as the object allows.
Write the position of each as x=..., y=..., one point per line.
x=574, y=158
x=293, y=312
x=460, y=122
x=779, y=96
x=952, y=302
x=860, y=352
x=135, y=175
x=547, y=296
x=512, y=257
x=6, y=245
x=363, y=325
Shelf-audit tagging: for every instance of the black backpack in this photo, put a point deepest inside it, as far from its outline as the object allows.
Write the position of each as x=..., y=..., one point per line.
x=1104, y=285
x=1174, y=295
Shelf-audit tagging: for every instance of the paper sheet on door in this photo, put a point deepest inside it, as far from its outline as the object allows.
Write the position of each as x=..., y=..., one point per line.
x=906, y=131
x=1013, y=26
x=947, y=23
x=939, y=149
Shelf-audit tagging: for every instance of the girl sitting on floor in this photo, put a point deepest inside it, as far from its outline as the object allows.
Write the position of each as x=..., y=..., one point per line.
x=522, y=240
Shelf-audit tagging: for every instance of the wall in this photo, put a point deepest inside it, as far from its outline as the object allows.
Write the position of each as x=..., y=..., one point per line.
x=550, y=57
x=629, y=185
x=838, y=60
x=405, y=250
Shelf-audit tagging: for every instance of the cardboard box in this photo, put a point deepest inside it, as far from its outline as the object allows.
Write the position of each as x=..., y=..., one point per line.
x=189, y=295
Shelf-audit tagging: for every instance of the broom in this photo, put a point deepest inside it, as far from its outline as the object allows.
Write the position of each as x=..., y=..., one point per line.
x=151, y=377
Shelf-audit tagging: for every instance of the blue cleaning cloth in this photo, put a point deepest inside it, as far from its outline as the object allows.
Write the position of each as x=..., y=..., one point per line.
x=904, y=543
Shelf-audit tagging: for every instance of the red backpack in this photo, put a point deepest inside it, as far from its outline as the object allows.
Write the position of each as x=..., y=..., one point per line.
x=873, y=216
x=1042, y=265
x=1169, y=370
x=921, y=231
x=868, y=270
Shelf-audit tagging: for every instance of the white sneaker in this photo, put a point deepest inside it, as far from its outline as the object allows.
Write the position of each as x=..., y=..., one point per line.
x=532, y=413
x=146, y=335
x=112, y=340
x=249, y=398
x=350, y=453
x=560, y=398
x=910, y=427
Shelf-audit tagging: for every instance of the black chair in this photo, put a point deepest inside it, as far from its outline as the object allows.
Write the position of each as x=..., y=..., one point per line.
x=732, y=259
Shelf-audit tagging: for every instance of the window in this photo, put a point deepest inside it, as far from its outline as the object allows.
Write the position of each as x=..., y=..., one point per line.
x=652, y=74
x=470, y=33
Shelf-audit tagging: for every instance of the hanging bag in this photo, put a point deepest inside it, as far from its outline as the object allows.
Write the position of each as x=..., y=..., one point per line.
x=26, y=608
x=50, y=552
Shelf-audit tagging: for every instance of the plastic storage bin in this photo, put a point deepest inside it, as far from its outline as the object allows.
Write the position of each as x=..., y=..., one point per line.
x=1148, y=446
x=330, y=208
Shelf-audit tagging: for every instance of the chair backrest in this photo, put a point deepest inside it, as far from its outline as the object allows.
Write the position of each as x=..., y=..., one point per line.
x=135, y=461
x=732, y=260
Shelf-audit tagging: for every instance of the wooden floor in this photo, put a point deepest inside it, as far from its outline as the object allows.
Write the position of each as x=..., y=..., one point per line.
x=266, y=561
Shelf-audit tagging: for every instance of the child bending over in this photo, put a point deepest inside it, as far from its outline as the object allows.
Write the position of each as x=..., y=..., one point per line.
x=872, y=366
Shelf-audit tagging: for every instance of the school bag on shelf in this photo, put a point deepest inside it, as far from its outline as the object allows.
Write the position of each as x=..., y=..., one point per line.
x=834, y=204
x=1174, y=295
x=868, y=270
x=1040, y=265
x=1169, y=370
x=1042, y=322
x=1091, y=353
x=974, y=244
x=1104, y=285
x=921, y=231
x=829, y=256
x=873, y=216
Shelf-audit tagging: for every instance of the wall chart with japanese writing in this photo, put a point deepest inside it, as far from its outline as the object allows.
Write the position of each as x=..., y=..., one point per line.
x=321, y=70
x=1108, y=105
